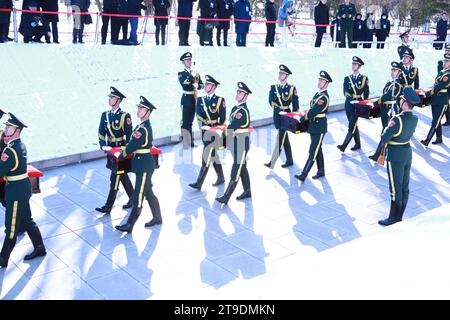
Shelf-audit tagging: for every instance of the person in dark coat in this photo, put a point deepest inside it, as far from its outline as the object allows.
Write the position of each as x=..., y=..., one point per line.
x=110, y=6
x=161, y=7
x=224, y=11
x=131, y=7
x=208, y=10
x=358, y=31
x=370, y=30
x=184, y=10
x=33, y=25
x=79, y=20
x=242, y=11
x=441, y=31
x=5, y=18
x=336, y=22
x=271, y=15
x=383, y=30
x=321, y=16
x=53, y=19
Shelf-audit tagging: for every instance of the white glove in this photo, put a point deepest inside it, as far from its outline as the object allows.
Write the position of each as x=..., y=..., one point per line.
x=282, y=113
x=117, y=154
x=205, y=127
x=195, y=85
x=297, y=118
x=106, y=148
x=219, y=132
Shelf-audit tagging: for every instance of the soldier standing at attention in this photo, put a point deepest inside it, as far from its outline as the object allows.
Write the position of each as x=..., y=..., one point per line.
x=356, y=87
x=210, y=112
x=439, y=101
x=190, y=83
x=440, y=67
x=238, y=128
x=115, y=131
x=410, y=74
x=404, y=37
x=13, y=167
x=281, y=96
x=317, y=127
x=143, y=166
x=347, y=12
x=396, y=136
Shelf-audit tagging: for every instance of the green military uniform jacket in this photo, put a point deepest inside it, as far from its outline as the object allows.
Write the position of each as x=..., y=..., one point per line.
x=115, y=128
x=317, y=113
x=187, y=81
x=280, y=99
x=439, y=93
x=388, y=101
x=348, y=10
x=402, y=49
x=410, y=77
x=239, y=124
x=397, y=135
x=212, y=111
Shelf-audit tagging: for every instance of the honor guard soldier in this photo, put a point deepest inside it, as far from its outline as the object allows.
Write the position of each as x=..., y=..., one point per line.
x=317, y=127
x=404, y=37
x=388, y=102
x=143, y=166
x=346, y=12
x=410, y=74
x=356, y=87
x=439, y=101
x=210, y=112
x=13, y=167
x=190, y=83
x=396, y=136
x=115, y=131
x=281, y=97
x=239, y=129
x=440, y=67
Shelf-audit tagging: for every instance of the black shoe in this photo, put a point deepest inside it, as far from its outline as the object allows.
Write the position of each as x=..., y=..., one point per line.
x=104, y=209
x=319, y=174
x=341, y=148
x=373, y=157
x=193, y=145
x=446, y=124
x=355, y=147
x=128, y=205
x=437, y=141
x=103, y=42
x=39, y=251
x=301, y=177
x=287, y=164
x=425, y=142
x=268, y=165
x=246, y=194
x=195, y=185
x=3, y=262
x=153, y=222
x=394, y=215
x=219, y=181
x=127, y=227
x=57, y=42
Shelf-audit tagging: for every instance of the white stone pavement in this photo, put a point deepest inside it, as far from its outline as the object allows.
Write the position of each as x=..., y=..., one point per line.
x=285, y=242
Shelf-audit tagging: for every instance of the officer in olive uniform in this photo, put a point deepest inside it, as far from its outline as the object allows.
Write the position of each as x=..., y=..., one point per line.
x=347, y=12
x=210, y=112
x=396, y=136
x=317, y=127
x=281, y=97
x=410, y=74
x=440, y=67
x=404, y=37
x=356, y=87
x=115, y=131
x=388, y=102
x=439, y=101
x=2, y=147
x=190, y=83
x=143, y=166
x=238, y=129
x=13, y=167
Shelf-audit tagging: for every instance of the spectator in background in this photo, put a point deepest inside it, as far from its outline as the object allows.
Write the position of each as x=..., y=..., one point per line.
x=242, y=11
x=271, y=15
x=347, y=12
x=161, y=10
x=359, y=31
x=53, y=19
x=79, y=20
x=109, y=6
x=208, y=10
x=441, y=31
x=383, y=27
x=370, y=30
x=285, y=10
x=336, y=22
x=224, y=11
x=321, y=16
x=5, y=18
x=184, y=10
x=33, y=25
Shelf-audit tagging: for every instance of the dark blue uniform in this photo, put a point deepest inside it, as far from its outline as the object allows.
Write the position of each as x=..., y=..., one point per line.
x=347, y=13
x=242, y=11
x=410, y=77
x=402, y=49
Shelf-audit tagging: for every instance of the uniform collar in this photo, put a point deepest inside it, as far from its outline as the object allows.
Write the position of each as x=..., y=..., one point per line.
x=321, y=91
x=115, y=111
x=11, y=141
x=242, y=104
x=187, y=70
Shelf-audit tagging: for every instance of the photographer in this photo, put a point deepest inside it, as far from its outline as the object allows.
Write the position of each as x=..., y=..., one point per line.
x=33, y=25
x=286, y=9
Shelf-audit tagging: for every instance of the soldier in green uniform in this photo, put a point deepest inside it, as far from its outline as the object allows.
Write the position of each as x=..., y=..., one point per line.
x=388, y=102
x=346, y=13
x=13, y=167
x=439, y=69
x=143, y=166
x=399, y=155
x=281, y=97
x=404, y=37
x=190, y=82
x=439, y=101
x=410, y=74
x=238, y=130
x=317, y=127
x=356, y=87
x=210, y=112
x=2, y=147
x=115, y=131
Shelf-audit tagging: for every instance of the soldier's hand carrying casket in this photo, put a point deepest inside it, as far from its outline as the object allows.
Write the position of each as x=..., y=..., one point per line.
x=117, y=154
x=106, y=148
x=282, y=113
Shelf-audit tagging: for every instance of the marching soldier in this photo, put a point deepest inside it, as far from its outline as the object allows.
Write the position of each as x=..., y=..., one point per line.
x=356, y=87
x=210, y=112
x=190, y=83
x=115, y=131
x=238, y=127
x=410, y=74
x=439, y=101
x=143, y=166
x=13, y=167
x=440, y=67
x=281, y=96
x=388, y=102
x=317, y=127
x=404, y=37
x=399, y=155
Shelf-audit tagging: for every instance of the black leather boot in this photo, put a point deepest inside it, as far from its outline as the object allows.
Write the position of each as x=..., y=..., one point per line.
x=220, y=177
x=447, y=117
x=430, y=135
x=288, y=152
x=201, y=178
x=305, y=171
x=38, y=243
x=153, y=202
x=320, y=166
x=246, y=184
x=347, y=140
x=129, y=204
x=377, y=153
x=357, y=145
x=438, y=135
x=109, y=202
x=226, y=196
x=156, y=160
x=8, y=246
x=394, y=215
x=128, y=227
